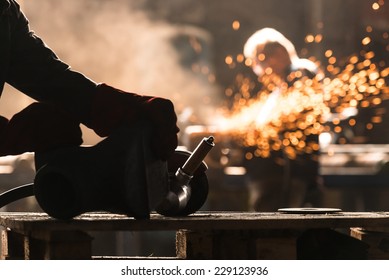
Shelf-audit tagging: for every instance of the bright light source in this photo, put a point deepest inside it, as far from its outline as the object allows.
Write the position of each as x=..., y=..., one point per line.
x=235, y=170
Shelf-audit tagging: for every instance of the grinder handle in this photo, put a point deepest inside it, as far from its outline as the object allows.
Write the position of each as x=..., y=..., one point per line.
x=198, y=155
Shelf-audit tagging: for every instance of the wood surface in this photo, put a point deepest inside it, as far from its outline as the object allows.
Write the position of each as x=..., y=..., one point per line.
x=27, y=222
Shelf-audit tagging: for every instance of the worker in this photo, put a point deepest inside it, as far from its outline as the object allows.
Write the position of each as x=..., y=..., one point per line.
x=279, y=181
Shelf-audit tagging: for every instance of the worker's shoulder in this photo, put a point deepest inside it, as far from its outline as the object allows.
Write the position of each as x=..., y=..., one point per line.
x=9, y=7
x=4, y=5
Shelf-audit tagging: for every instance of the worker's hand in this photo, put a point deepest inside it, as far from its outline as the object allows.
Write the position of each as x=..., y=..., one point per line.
x=161, y=113
x=113, y=107
x=38, y=128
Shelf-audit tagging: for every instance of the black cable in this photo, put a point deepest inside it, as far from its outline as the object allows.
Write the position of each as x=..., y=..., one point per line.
x=15, y=194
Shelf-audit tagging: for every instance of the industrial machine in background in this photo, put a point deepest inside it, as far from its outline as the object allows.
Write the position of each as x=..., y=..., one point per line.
x=358, y=174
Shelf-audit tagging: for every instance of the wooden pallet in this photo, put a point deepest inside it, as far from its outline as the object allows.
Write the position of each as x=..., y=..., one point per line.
x=218, y=235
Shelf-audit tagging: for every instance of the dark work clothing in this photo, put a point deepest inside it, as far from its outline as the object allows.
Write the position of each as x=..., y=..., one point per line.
x=27, y=64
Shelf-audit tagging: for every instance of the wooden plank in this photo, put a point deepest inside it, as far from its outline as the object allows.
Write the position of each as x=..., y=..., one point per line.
x=34, y=222
x=63, y=245
x=378, y=242
x=72, y=245
x=203, y=235
x=236, y=244
x=12, y=245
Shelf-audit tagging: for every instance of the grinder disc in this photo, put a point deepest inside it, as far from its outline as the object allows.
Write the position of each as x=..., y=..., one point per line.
x=309, y=210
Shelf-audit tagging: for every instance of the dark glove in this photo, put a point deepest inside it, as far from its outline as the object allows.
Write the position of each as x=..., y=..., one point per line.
x=38, y=128
x=3, y=124
x=113, y=107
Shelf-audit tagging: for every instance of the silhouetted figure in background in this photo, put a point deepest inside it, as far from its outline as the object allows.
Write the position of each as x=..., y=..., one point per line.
x=279, y=181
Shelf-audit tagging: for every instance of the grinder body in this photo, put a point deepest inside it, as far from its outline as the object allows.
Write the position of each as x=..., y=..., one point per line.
x=119, y=175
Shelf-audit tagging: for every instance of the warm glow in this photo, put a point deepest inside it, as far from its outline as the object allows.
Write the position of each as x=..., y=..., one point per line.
x=366, y=41
x=309, y=38
x=229, y=60
x=375, y=6
x=328, y=53
x=283, y=117
x=235, y=25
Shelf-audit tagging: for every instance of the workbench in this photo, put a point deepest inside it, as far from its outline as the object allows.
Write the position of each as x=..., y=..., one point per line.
x=206, y=235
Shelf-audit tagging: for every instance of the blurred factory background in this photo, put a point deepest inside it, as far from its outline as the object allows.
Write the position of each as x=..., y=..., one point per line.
x=191, y=52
